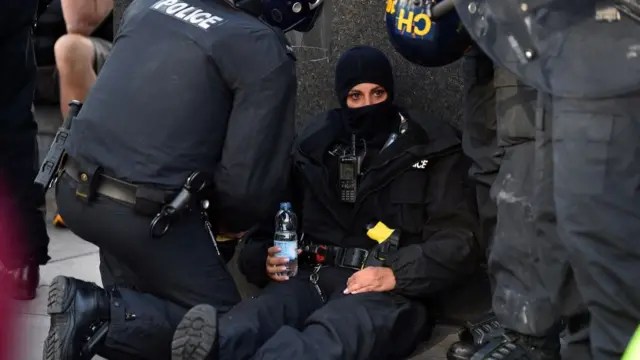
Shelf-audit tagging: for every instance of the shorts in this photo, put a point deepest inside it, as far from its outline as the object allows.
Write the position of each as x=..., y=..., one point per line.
x=48, y=84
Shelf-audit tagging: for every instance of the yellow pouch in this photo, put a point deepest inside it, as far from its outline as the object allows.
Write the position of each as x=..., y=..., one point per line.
x=380, y=232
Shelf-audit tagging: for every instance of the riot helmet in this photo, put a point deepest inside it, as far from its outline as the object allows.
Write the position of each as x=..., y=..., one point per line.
x=422, y=38
x=570, y=48
x=298, y=15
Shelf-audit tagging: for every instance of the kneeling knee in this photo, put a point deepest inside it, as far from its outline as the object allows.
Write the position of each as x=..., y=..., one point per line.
x=72, y=50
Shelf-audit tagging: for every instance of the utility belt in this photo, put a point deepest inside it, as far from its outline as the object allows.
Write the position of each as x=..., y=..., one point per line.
x=351, y=258
x=354, y=258
x=164, y=206
x=144, y=200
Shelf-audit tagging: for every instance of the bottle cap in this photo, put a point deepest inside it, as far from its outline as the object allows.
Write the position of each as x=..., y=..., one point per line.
x=285, y=206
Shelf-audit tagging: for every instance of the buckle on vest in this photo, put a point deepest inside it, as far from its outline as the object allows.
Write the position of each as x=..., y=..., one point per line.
x=353, y=258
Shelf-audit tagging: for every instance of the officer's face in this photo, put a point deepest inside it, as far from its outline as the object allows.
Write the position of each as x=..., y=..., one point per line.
x=366, y=94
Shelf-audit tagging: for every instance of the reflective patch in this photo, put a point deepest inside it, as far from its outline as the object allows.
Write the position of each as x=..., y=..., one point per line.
x=422, y=164
x=188, y=14
x=633, y=349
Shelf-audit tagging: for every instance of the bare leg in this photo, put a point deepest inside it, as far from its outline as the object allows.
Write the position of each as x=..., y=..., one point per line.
x=75, y=56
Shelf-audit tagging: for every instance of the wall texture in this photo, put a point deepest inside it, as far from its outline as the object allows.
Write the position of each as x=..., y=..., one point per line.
x=360, y=22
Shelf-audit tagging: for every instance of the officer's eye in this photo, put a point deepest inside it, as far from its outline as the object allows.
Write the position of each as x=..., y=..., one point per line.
x=379, y=93
x=355, y=96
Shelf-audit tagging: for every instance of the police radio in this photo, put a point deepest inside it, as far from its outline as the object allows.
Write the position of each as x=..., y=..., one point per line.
x=349, y=174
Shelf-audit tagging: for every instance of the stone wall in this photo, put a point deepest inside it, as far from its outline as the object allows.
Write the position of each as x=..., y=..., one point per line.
x=360, y=22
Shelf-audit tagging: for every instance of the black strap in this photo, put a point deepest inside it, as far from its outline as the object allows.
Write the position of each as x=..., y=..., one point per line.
x=501, y=349
x=145, y=200
x=352, y=258
x=481, y=330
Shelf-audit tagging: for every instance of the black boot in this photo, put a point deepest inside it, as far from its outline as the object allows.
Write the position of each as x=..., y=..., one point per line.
x=22, y=282
x=79, y=313
x=461, y=351
x=485, y=338
x=510, y=346
x=196, y=335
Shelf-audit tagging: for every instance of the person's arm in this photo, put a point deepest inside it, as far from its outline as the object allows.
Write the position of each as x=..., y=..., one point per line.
x=82, y=17
x=253, y=171
x=449, y=250
x=252, y=258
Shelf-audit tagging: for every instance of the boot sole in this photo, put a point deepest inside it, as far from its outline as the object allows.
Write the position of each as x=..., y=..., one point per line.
x=195, y=335
x=61, y=322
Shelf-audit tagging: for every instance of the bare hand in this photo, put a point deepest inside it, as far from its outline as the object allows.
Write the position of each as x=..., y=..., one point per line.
x=372, y=278
x=276, y=265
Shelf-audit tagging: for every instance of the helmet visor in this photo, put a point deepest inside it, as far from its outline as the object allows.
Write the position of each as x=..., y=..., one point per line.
x=570, y=48
x=311, y=39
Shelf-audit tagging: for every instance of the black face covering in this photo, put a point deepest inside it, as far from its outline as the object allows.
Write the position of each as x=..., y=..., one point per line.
x=364, y=64
x=372, y=122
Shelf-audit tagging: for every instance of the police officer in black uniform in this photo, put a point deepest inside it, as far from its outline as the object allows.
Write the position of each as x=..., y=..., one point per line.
x=19, y=150
x=587, y=169
x=501, y=124
x=504, y=136
x=411, y=178
x=196, y=95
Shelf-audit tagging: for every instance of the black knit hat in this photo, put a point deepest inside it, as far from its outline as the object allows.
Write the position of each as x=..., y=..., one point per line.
x=362, y=64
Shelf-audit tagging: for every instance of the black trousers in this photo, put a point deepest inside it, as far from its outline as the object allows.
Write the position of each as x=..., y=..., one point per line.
x=522, y=300
x=157, y=280
x=504, y=130
x=289, y=321
x=479, y=137
x=596, y=188
x=18, y=146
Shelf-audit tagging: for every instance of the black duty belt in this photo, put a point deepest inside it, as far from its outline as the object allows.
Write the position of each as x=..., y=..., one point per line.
x=144, y=199
x=352, y=258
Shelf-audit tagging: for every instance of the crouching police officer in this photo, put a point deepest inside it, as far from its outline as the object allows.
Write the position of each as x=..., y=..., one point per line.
x=197, y=96
x=368, y=161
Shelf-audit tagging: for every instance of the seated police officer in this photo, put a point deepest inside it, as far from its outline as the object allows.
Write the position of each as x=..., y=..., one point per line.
x=196, y=95
x=334, y=308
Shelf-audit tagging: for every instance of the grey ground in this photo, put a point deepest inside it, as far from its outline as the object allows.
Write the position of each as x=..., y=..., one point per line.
x=71, y=256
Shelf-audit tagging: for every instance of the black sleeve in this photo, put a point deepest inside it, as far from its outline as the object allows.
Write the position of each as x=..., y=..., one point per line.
x=252, y=259
x=449, y=250
x=253, y=170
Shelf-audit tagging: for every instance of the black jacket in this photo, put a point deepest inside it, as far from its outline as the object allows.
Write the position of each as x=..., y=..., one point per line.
x=194, y=85
x=417, y=185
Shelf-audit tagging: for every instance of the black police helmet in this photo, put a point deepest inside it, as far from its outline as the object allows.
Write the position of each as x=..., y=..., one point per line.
x=421, y=39
x=298, y=15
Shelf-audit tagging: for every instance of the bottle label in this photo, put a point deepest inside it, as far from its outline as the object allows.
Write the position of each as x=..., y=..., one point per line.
x=289, y=249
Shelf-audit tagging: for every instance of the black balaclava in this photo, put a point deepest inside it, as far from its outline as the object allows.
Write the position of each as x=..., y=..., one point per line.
x=364, y=64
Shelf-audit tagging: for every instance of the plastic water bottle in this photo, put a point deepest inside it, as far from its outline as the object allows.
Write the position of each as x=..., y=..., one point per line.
x=286, y=237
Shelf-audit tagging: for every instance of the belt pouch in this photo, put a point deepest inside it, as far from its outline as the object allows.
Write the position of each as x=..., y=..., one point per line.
x=88, y=182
